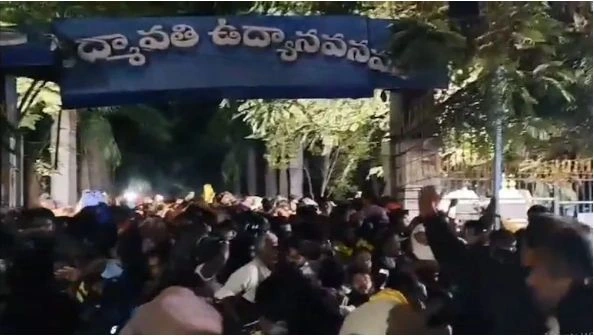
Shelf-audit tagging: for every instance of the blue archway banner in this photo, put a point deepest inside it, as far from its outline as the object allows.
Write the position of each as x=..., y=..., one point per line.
x=138, y=60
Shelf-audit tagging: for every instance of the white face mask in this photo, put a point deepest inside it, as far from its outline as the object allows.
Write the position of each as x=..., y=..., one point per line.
x=112, y=269
x=421, y=251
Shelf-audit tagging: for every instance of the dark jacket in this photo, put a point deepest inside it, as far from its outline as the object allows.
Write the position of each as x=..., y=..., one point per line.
x=491, y=296
x=575, y=312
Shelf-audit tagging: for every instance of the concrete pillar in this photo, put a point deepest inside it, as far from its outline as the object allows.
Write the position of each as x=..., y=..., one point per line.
x=296, y=174
x=391, y=166
x=64, y=180
x=386, y=160
x=283, y=183
x=252, y=171
x=12, y=161
x=271, y=181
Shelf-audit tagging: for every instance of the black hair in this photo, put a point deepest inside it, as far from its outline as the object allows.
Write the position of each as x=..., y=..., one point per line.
x=520, y=234
x=294, y=243
x=502, y=239
x=267, y=204
x=541, y=226
x=369, y=195
x=538, y=209
x=407, y=282
x=387, y=236
x=477, y=226
x=287, y=295
x=331, y=273
x=36, y=218
x=307, y=211
x=401, y=280
x=569, y=251
x=353, y=270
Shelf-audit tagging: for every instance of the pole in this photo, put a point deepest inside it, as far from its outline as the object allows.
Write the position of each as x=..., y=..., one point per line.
x=5, y=144
x=14, y=161
x=497, y=167
x=498, y=111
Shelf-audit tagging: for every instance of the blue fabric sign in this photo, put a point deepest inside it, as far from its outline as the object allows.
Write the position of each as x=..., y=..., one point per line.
x=136, y=60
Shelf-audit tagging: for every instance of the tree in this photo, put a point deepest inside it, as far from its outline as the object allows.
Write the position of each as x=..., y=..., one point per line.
x=342, y=131
x=309, y=7
x=229, y=134
x=99, y=149
x=545, y=62
x=39, y=105
x=43, y=12
x=100, y=152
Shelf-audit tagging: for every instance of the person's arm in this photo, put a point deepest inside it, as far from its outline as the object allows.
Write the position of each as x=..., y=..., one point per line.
x=447, y=248
x=236, y=285
x=450, y=252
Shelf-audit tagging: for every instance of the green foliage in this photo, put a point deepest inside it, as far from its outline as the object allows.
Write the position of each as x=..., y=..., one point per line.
x=43, y=12
x=309, y=7
x=545, y=73
x=94, y=128
x=231, y=133
x=35, y=100
x=343, y=130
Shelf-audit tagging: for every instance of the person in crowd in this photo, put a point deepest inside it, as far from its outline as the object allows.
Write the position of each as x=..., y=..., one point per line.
x=371, y=209
x=484, y=286
x=157, y=262
x=537, y=209
x=361, y=288
x=396, y=310
x=362, y=260
x=34, y=303
x=295, y=256
x=389, y=257
x=238, y=293
x=290, y=304
x=561, y=275
x=285, y=267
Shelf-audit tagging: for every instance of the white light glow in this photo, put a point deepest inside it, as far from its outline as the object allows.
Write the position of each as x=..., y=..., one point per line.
x=130, y=196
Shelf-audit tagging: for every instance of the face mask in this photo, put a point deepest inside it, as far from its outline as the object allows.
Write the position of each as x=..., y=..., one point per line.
x=421, y=251
x=112, y=270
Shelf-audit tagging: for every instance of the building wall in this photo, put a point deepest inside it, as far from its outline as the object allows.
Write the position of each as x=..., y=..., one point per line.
x=413, y=150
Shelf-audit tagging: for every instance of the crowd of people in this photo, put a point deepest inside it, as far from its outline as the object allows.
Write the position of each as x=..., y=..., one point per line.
x=291, y=266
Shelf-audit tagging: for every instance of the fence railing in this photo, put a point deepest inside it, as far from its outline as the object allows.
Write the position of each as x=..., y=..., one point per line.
x=563, y=198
